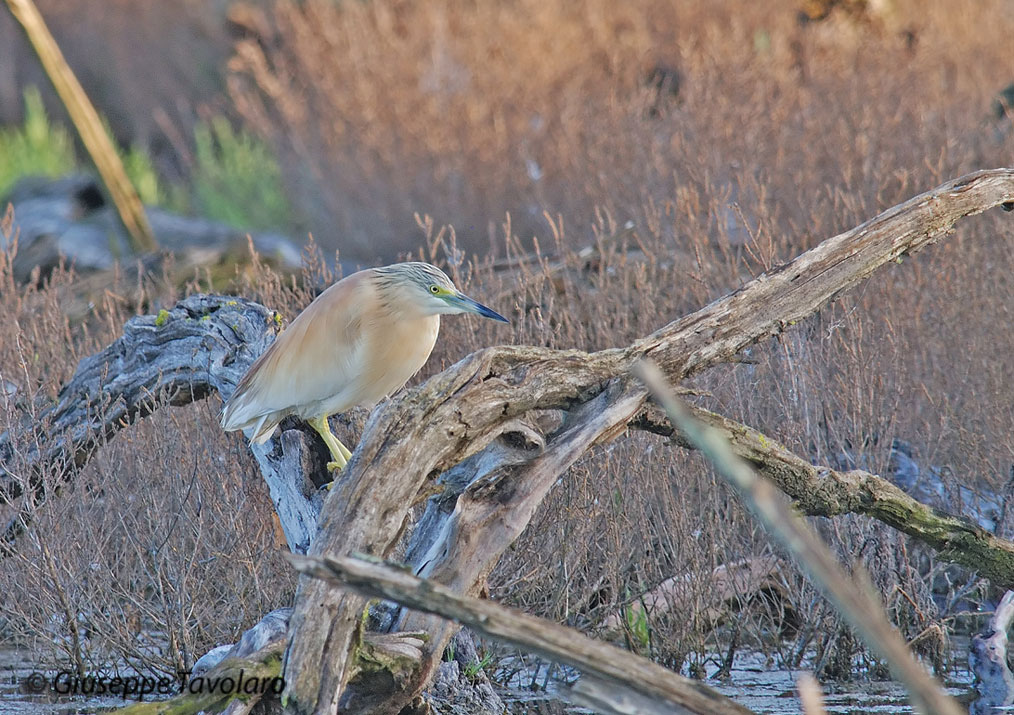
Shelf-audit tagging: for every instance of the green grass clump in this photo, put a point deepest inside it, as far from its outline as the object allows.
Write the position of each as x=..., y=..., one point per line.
x=140, y=171
x=38, y=147
x=237, y=179
x=143, y=176
x=638, y=628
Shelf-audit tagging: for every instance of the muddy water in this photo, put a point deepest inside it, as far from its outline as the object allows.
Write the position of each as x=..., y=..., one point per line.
x=774, y=691
x=752, y=683
x=27, y=688
x=530, y=687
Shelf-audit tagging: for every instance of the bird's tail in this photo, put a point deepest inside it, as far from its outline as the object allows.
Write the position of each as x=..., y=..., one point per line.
x=236, y=415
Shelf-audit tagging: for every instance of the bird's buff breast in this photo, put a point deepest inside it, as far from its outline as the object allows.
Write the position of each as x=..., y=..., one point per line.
x=390, y=360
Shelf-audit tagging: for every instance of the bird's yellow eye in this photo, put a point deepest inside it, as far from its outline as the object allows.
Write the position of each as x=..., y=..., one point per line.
x=435, y=289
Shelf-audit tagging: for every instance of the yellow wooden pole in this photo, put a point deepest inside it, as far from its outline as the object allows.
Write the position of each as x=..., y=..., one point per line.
x=89, y=126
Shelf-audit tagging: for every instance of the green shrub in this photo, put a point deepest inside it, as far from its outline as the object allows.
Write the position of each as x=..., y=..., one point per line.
x=38, y=147
x=237, y=179
x=42, y=148
x=143, y=176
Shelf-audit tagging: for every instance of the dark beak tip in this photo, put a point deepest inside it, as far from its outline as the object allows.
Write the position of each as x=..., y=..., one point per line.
x=496, y=316
x=483, y=310
x=488, y=312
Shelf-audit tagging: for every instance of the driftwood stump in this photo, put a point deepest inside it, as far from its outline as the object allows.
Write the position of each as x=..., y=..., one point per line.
x=988, y=660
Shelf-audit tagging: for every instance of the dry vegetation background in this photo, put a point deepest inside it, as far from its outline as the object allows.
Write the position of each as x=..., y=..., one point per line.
x=729, y=136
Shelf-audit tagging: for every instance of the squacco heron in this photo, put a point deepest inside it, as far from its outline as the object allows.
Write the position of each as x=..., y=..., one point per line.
x=356, y=343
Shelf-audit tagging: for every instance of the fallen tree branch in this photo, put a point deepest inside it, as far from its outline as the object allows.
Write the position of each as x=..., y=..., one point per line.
x=497, y=507
x=204, y=344
x=622, y=670
x=736, y=581
x=239, y=682
x=88, y=124
x=852, y=597
x=458, y=413
x=822, y=491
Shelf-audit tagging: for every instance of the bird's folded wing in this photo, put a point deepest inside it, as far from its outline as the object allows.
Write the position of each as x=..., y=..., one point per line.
x=314, y=359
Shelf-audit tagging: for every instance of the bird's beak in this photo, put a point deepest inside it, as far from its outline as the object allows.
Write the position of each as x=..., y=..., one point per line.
x=472, y=306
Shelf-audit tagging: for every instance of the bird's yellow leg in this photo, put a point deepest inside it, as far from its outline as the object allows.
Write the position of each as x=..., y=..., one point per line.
x=339, y=452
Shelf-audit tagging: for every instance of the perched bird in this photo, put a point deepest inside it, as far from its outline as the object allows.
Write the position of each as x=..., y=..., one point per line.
x=356, y=343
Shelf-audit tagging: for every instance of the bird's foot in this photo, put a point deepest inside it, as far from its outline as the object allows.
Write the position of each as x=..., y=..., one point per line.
x=335, y=466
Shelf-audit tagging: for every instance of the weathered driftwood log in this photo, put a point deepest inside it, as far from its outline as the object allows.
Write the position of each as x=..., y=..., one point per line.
x=735, y=581
x=625, y=673
x=988, y=660
x=233, y=686
x=69, y=221
x=204, y=344
x=461, y=411
x=497, y=507
x=269, y=629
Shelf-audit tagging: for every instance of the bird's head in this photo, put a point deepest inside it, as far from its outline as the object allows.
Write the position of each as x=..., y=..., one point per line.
x=430, y=290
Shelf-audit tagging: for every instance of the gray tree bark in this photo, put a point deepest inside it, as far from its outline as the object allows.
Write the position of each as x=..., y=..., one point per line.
x=204, y=344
